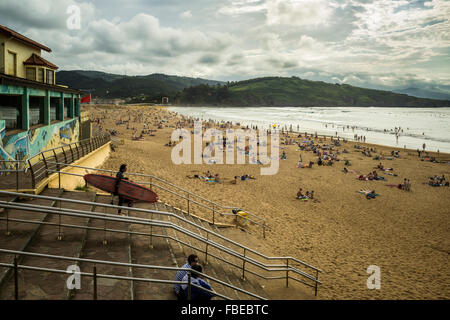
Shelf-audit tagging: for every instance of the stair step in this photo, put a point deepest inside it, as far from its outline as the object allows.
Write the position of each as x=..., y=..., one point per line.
x=107, y=246
x=152, y=251
x=45, y=285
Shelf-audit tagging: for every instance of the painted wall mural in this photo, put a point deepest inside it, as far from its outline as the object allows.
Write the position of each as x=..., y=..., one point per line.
x=26, y=144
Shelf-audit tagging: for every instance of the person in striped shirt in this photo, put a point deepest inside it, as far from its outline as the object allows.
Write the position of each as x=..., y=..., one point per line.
x=192, y=260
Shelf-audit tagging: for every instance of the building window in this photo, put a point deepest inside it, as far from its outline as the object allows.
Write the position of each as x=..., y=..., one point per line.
x=31, y=73
x=36, y=110
x=12, y=64
x=10, y=108
x=40, y=75
x=50, y=77
x=54, y=105
x=67, y=105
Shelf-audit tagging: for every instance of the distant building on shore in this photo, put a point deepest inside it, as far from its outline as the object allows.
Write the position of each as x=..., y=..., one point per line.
x=165, y=100
x=36, y=114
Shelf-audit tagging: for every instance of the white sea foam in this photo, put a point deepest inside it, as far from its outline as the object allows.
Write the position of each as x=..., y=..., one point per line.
x=420, y=125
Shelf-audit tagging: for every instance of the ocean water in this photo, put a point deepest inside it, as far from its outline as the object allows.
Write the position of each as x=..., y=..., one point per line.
x=418, y=125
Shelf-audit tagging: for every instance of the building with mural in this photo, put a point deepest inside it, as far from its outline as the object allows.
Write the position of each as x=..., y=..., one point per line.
x=36, y=114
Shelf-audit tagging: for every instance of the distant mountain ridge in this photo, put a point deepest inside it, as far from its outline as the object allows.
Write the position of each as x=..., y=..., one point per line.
x=267, y=91
x=105, y=85
x=423, y=93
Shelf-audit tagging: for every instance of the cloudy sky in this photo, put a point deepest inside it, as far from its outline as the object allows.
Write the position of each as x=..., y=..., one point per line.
x=369, y=43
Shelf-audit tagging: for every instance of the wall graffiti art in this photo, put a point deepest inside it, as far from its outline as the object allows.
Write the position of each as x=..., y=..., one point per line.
x=24, y=145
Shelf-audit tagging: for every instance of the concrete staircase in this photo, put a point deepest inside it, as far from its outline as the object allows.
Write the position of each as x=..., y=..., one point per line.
x=94, y=241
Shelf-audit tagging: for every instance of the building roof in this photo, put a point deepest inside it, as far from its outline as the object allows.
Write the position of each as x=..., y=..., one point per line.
x=36, y=60
x=21, y=82
x=11, y=33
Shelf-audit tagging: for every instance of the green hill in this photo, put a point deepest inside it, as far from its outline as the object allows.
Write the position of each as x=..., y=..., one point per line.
x=105, y=85
x=281, y=92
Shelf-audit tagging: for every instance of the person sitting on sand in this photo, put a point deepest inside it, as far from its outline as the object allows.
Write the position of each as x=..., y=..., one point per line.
x=431, y=182
x=300, y=165
x=345, y=170
x=375, y=175
x=300, y=194
x=371, y=195
x=235, y=180
x=310, y=194
x=208, y=174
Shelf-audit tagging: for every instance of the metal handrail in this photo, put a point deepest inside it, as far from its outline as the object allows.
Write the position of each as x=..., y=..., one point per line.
x=158, y=224
x=81, y=213
x=73, y=143
x=132, y=265
x=263, y=225
x=178, y=228
x=94, y=143
x=122, y=231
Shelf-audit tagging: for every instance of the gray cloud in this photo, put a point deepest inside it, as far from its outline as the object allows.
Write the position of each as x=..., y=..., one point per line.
x=368, y=43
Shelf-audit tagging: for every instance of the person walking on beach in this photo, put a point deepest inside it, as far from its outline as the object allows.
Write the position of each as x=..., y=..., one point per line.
x=119, y=177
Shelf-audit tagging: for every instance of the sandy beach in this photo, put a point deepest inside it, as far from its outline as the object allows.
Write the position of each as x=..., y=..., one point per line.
x=406, y=234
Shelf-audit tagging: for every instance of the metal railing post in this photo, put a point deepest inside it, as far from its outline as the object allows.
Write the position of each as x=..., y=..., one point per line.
x=105, y=242
x=65, y=156
x=95, y=282
x=45, y=164
x=33, y=178
x=264, y=229
x=57, y=169
x=187, y=202
x=243, y=266
x=17, y=176
x=287, y=273
x=150, y=245
x=214, y=215
x=206, y=250
x=78, y=151
x=16, y=279
x=59, y=223
x=71, y=152
x=7, y=233
x=189, y=285
x=317, y=279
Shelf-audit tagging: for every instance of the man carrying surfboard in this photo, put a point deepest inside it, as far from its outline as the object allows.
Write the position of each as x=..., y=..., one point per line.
x=119, y=177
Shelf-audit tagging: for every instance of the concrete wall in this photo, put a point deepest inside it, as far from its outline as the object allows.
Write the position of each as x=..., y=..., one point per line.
x=92, y=160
